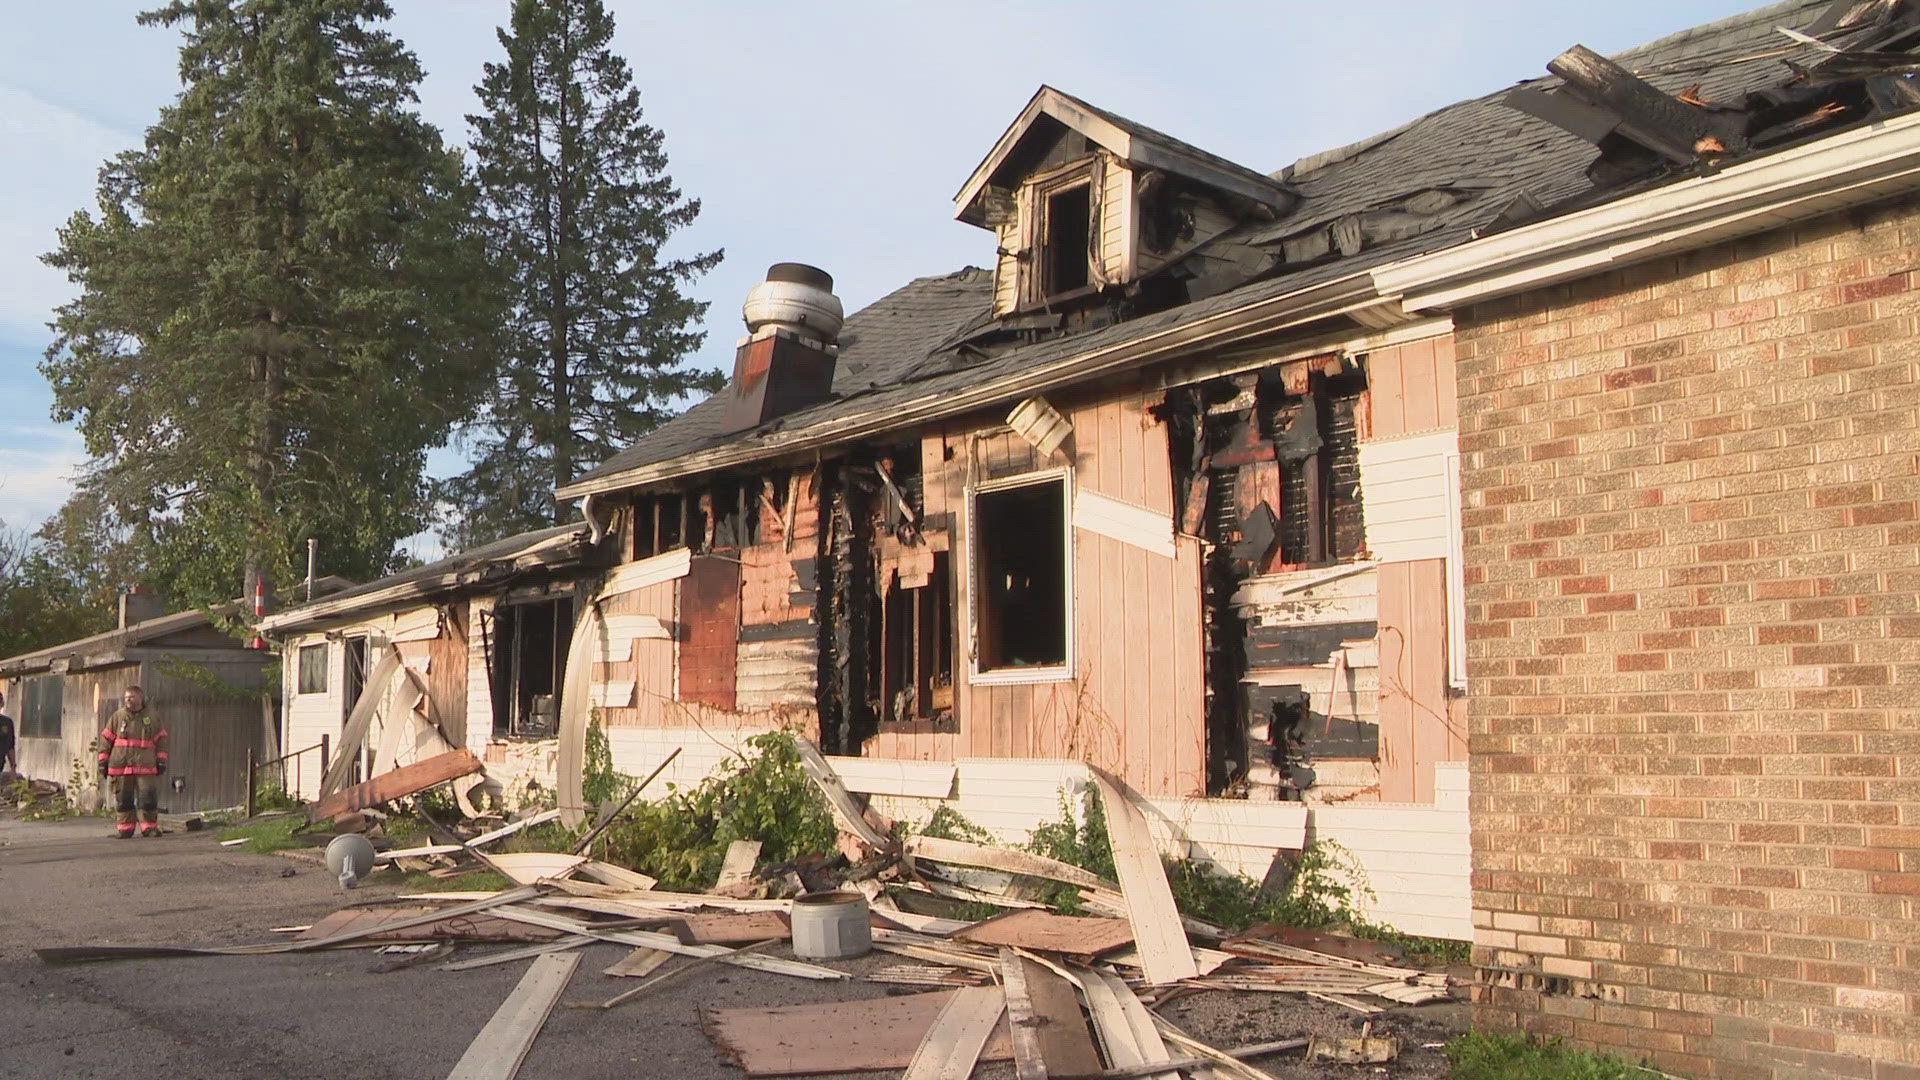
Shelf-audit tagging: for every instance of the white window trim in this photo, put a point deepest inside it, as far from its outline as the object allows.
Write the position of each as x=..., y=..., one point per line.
x=1456, y=579
x=1026, y=675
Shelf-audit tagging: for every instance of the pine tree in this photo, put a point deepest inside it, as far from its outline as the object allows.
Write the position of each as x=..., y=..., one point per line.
x=574, y=183
x=285, y=300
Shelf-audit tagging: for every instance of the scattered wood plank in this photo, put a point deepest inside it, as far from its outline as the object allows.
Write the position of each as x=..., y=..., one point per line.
x=918, y=923
x=398, y=784
x=953, y=1043
x=1006, y=860
x=1110, y=1023
x=1066, y=1045
x=572, y=941
x=669, y=943
x=510, y=828
x=619, y=877
x=734, y=927
x=1029, y=1061
x=1219, y=1062
x=1145, y=1034
x=607, y=814
x=737, y=867
x=926, y=975
x=1256, y=1050
x=402, y=924
x=1205, y=961
x=639, y=963
x=836, y=1037
x=359, y=720
x=852, y=818
x=1074, y=935
x=496, y=1053
x=1165, y=955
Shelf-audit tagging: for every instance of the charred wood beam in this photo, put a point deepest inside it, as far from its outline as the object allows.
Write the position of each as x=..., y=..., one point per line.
x=1647, y=115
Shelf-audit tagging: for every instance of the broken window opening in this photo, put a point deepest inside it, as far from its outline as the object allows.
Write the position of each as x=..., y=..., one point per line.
x=1022, y=562
x=917, y=659
x=313, y=669
x=527, y=663
x=1067, y=250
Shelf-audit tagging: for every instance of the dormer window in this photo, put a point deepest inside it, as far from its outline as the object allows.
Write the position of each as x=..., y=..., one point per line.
x=1061, y=246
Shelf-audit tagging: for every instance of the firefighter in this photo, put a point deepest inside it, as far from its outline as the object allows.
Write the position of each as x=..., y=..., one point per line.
x=133, y=754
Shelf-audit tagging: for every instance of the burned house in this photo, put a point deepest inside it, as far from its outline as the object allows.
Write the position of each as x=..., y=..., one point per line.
x=200, y=681
x=469, y=651
x=1564, y=434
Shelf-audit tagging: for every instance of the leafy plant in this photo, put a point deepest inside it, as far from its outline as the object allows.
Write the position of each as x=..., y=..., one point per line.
x=950, y=824
x=273, y=834
x=764, y=795
x=1510, y=1057
x=600, y=782
x=1083, y=842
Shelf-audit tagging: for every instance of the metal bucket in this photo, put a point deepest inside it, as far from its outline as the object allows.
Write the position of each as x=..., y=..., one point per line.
x=831, y=926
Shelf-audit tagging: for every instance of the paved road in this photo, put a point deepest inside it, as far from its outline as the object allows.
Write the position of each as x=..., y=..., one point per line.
x=320, y=1014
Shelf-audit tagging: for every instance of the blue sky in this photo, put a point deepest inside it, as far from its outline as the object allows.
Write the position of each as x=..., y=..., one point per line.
x=829, y=133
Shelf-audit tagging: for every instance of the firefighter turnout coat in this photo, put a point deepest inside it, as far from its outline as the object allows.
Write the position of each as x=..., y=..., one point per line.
x=132, y=744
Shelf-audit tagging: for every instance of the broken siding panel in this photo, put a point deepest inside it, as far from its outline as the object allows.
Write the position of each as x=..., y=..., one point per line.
x=1409, y=513
x=1006, y=272
x=651, y=662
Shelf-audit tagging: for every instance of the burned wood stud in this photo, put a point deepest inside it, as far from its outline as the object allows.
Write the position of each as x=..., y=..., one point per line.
x=1648, y=116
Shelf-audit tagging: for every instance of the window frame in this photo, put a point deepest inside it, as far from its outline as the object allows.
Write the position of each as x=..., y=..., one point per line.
x=33, y=692
x=1037, y=196
x=1017, y=676
x=300, y=669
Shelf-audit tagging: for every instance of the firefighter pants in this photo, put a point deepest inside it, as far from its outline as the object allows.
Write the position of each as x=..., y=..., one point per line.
x=146, y=789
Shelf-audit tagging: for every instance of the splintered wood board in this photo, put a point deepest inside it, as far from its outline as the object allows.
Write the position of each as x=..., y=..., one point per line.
x=952, y=1045
x=1044, y=931
x=368, y=921
x=1125, y=1027
x=1066, y=1044
x=850, y=1036
x=618, y=877
x=496, y=1053
x=1165, y=956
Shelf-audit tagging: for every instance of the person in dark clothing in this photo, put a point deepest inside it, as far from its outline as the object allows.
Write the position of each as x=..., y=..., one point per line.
x=8, y=763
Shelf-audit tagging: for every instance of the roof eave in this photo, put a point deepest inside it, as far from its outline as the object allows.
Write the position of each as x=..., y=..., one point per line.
x=1342, y=296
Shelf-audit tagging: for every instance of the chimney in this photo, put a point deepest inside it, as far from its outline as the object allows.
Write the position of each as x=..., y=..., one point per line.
x=138, y=605
x=786, y=361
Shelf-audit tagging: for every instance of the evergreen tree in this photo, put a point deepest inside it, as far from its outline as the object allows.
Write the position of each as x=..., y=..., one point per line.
x=576, y=190
x=285, y=300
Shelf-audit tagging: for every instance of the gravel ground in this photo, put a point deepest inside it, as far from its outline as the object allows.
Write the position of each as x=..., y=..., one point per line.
x=328, y=1014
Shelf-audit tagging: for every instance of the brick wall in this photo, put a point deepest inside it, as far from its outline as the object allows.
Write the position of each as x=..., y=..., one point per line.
x=1693, y=577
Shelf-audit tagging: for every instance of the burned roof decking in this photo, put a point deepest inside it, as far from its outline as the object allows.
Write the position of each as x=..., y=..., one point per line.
x=1505, y=153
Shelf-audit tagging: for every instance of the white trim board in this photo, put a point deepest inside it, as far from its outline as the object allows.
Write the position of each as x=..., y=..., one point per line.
x=1148, y=530
x=633, y=576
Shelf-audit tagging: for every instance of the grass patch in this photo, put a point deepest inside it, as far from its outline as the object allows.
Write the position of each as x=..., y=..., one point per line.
x=1509, y=1057
x=273, y=834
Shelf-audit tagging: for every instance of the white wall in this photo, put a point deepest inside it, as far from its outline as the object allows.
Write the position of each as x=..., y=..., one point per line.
x=1415, y=858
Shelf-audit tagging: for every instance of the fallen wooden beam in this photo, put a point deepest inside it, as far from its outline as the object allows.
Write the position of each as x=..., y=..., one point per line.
x=398, y=784
x=669, y=943
x=1258, y=1050
x=851, y=817
x=835, y=1037
x=496, y=1053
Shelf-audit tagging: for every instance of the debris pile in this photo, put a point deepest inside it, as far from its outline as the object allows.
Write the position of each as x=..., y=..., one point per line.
x=1058, y=995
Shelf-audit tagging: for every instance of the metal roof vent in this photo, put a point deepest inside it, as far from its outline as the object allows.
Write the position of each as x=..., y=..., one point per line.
x=797, y=298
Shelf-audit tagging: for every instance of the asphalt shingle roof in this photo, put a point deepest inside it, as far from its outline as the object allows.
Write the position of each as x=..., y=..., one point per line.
x=1500, y=151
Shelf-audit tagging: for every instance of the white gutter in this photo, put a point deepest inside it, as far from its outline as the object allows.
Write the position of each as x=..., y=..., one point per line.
x=1845, y=169
x=1340, y=297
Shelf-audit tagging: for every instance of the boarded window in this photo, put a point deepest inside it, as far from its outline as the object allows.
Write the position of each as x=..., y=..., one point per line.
x=39, y=706
x=313, y=669
x=1021, y=582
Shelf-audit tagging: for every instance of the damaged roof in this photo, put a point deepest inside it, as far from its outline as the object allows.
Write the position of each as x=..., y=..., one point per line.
x=1448, y=177
x=558, y=545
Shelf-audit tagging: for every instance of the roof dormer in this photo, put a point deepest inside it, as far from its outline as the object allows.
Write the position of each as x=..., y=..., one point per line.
x=1081, y=199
